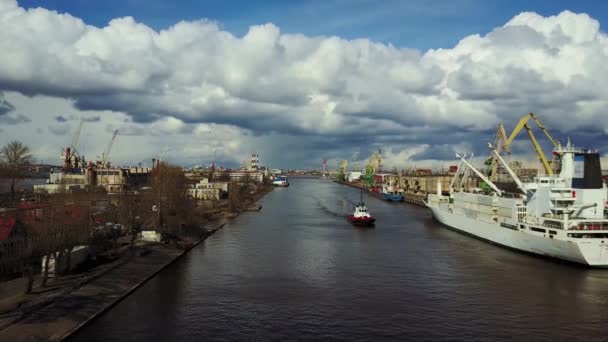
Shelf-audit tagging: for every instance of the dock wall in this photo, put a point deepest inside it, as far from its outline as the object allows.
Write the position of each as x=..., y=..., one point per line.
x=417, y=187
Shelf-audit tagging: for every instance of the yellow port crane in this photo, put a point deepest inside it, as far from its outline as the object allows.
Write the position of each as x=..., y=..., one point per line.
x=372, y=166
x=342, y=170
x=501, y=142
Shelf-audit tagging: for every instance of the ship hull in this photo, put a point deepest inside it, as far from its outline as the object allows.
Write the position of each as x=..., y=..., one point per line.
x=393, y=197
x=361, y=221
x=590, y=253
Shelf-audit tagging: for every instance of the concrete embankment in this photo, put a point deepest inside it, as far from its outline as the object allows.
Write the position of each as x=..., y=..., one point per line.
x=409, y=198
x=65, y=315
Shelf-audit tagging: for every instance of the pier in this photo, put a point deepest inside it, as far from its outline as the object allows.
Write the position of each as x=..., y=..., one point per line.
x=415, y=188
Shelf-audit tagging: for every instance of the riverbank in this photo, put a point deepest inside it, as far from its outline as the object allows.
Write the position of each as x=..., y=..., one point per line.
x=409, y=198
x=66, y=313
x=58, y=315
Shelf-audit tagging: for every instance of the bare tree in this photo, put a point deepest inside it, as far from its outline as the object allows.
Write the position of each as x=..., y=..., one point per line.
x=169, y=184
x=234, y=197
x=131, y=210
x=14, y=157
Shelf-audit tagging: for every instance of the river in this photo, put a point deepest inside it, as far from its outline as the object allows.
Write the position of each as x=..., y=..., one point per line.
x=297, y=271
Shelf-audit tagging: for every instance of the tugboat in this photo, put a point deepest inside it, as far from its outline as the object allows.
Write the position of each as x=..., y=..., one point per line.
x=361, y=216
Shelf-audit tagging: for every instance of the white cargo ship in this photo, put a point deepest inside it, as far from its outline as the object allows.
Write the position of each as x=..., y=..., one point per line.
x=561, y=216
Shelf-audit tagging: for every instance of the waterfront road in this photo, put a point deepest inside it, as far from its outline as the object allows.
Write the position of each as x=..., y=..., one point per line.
x=297, y=271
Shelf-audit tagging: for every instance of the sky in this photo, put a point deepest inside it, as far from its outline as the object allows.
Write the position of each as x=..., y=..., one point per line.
x=299, y=81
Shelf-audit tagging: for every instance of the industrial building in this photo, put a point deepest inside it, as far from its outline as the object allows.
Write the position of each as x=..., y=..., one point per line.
x=204, y=190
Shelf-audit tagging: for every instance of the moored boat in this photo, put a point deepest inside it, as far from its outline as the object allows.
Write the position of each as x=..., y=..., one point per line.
x=391, y=194
x=280, y=181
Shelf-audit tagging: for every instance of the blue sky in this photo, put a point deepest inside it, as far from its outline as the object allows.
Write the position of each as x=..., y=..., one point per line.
x=420, y=24
x=194, y=93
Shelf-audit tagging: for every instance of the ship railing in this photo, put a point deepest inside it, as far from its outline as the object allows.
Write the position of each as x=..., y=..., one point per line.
x=553, y=225
x=590, y=226
x=522, y=213
x=589, y=235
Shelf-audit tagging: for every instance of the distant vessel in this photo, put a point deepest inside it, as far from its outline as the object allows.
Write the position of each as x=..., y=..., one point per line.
x=390, y=193
x=280, y=181
x=361, y=216
x=561, y=216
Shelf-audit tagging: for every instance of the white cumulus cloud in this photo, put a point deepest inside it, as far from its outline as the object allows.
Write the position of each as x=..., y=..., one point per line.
x=193, y=75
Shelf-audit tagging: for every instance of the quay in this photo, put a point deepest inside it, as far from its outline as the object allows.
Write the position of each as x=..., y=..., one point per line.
x=84, y=298
x=415, y=188
x=65, y=315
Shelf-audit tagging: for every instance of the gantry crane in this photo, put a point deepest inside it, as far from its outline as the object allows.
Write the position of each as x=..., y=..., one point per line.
x=71, y=157
x=106, y=153
x=501, y=142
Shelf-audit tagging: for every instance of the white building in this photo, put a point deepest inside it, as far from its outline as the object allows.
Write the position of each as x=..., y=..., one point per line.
x=353, y=176
x=241, y=176
x=113, y=180
x=207, y=191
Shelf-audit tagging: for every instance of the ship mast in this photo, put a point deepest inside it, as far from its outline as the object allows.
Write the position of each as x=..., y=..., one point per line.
x=520, y=185
x=456, y=174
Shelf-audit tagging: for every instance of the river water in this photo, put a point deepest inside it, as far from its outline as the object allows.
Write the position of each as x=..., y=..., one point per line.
x=297, y=271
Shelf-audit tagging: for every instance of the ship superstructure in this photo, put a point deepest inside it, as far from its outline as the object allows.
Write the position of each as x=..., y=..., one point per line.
x=561, y=215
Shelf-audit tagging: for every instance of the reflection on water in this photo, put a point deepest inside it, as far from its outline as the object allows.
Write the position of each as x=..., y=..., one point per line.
x=298, y=271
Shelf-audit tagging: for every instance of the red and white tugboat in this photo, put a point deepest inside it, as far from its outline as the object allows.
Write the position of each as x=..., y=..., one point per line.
x=361, y=216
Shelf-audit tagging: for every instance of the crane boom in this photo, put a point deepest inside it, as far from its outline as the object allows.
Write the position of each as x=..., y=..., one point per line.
x=500, y=139
x=523, y=123
x=539, y=152
x=77, y=136
x=520, y=125
x=544, y=131
x=106, y=154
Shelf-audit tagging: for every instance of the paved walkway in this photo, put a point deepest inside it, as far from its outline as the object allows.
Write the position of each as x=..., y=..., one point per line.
x=69, y=312
x=66, y=314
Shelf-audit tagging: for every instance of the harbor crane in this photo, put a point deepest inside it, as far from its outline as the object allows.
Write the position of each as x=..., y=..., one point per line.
x=342, y=170
x=70, y=154
x=76, y=138
x=372, y=166
x=106, y=153
x=502, y=142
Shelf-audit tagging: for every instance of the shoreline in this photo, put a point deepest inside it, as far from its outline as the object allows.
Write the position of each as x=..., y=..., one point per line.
x=126, y=294
x=64, y=315
x=407, y=198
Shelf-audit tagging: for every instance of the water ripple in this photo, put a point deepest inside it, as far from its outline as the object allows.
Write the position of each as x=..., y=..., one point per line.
x=297, y=271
